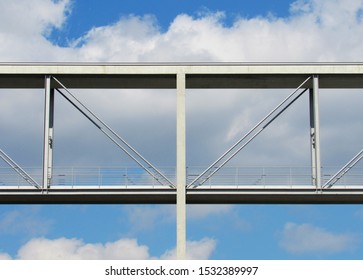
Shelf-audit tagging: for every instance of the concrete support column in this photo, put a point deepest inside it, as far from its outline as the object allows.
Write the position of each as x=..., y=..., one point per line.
x=181, y=168
x=48, y=133
x=315, y=133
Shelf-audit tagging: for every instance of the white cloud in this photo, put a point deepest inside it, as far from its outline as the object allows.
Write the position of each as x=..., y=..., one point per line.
x=38, y=16
x=25, y=221
x=306, y=238
x=147, y=217
x=4, y=256
x=198, y=212
x=130, y=249
x=316, y=30
x=196, y=250
x=69, y=249
x=126, y=40
x=25, y=25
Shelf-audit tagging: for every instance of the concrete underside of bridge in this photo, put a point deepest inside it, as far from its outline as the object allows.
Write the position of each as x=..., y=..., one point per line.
x=163, y=76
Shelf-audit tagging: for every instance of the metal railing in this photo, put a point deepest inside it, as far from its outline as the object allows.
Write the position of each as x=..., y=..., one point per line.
x=105, y=176
x=8, y=177
x=275, y=176
x=228, y=176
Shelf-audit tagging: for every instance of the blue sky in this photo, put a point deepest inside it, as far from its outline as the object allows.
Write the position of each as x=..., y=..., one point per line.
x=87, y=14
x=104, y=31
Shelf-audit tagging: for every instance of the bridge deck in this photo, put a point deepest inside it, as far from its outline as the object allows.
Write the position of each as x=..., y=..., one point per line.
x=165, y=195
x=131, y=185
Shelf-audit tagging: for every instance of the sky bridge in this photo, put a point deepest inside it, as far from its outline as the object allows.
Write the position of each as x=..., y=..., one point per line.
x=181, y=184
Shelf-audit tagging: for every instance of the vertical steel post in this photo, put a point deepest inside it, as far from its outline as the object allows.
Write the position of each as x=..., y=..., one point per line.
x=181, y=168
x=316, y=136
x=48, y=133
x=312, y=137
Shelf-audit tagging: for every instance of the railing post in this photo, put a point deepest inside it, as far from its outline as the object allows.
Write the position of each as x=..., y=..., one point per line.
x=237, y=175
x=126, y=176
x=99, y=177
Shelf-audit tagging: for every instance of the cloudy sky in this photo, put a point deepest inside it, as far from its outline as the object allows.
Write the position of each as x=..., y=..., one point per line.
x=181, y=31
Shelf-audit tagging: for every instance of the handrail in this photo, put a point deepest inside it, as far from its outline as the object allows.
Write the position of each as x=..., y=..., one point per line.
x=135, y=176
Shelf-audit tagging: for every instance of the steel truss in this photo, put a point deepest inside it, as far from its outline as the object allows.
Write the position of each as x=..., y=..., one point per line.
x=113, y=136
x=184, y=76
x=249, y=136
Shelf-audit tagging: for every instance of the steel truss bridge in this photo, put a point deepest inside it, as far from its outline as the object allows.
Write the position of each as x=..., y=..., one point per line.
x=181, y=184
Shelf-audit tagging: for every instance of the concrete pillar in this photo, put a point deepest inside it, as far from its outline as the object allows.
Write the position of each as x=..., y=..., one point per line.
x=181, y=168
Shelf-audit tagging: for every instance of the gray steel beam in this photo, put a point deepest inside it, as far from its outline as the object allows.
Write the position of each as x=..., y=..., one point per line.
x=316, y=137
x=312, y=137
x=48, y=133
